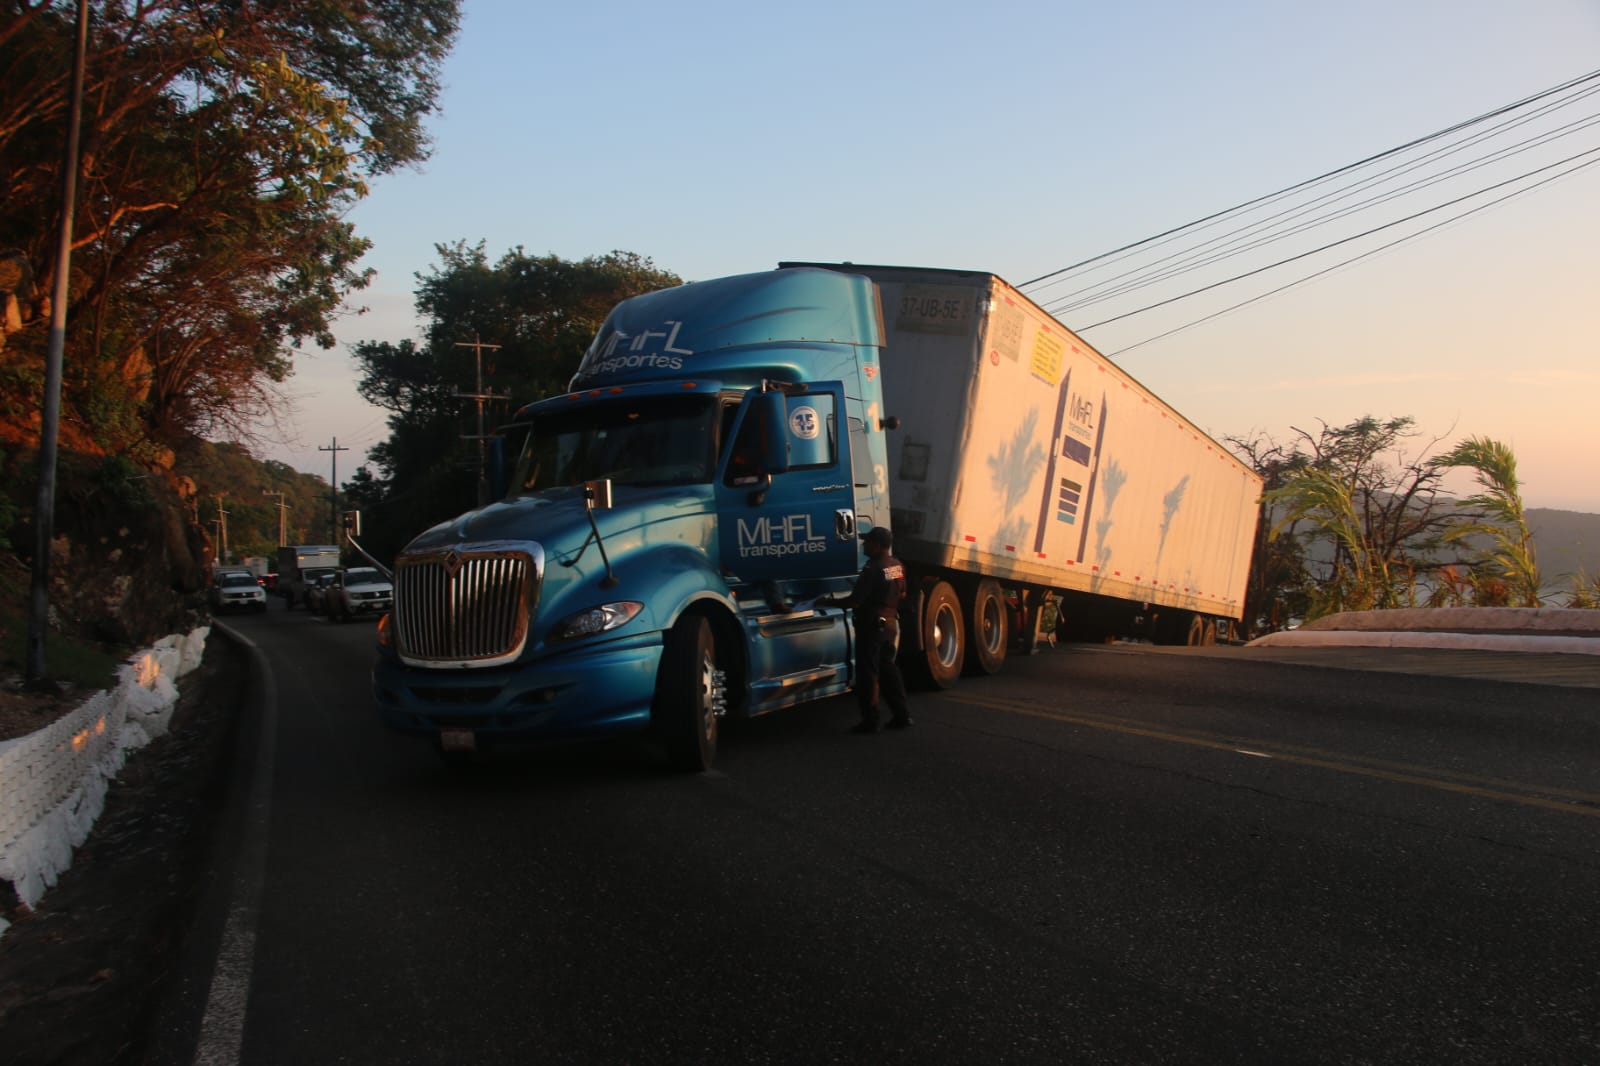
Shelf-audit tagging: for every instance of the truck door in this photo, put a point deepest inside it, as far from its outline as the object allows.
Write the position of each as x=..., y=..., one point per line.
x=797, y=526
x=787, y=537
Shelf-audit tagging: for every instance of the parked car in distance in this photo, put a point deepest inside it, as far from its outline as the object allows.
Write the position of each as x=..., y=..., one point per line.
x=358, y=591
x=237, y=590
x=317, y=589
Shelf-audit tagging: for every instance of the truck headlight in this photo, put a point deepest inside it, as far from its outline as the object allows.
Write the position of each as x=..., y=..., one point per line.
x=600, y=619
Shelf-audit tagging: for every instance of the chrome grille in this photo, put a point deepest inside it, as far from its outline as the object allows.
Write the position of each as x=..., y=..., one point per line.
x=463, y=606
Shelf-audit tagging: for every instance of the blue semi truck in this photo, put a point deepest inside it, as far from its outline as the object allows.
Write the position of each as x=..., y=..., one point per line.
x=650, y=563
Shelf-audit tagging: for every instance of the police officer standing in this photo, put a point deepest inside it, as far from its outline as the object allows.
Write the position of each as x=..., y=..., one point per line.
x=876, y=602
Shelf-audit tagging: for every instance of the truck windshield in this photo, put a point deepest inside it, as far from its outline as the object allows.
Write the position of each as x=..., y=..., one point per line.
x=663, y=440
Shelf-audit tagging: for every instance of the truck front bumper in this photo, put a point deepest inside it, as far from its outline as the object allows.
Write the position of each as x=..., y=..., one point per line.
x=597, y=693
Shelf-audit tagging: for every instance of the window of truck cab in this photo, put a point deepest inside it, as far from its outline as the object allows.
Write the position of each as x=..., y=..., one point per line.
x=650, y=440
x=812, y=423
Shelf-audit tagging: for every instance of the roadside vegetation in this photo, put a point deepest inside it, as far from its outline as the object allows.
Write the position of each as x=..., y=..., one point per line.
x=1355, y=518
x=222, y=148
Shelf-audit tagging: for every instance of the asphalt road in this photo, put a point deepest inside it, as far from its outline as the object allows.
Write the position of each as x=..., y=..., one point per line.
x=1103, y=855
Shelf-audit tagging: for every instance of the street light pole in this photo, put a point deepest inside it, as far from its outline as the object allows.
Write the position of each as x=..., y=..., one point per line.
x=50, y=413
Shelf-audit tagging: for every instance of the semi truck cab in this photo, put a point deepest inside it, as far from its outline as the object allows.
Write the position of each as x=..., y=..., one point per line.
x=719, y=453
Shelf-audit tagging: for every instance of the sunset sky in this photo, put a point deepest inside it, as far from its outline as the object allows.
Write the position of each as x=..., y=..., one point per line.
x=722, y=138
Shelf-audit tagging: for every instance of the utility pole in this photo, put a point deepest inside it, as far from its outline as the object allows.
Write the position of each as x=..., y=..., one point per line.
x=55, y=349
x=222, y=530
x=333, y=497
x=281, y=517
x=480, y=396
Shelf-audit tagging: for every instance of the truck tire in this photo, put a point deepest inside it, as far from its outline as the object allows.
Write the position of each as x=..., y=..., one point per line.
x=942, y=648
x=1197, y=632
x=989, y=624
x=688, y=691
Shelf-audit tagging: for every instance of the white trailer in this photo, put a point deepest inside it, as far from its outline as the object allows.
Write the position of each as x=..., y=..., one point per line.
x=1028, y=463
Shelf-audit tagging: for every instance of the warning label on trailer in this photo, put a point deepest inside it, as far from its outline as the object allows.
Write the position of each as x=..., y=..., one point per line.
x=1045, y=363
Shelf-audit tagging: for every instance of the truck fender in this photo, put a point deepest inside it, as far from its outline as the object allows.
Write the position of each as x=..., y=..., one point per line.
x=690, y=586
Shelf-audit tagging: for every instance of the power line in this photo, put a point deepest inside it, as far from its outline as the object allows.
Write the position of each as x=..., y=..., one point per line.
x=1197, y=256
x=1352, y=259
x=1447, y=131
x=1353, y=237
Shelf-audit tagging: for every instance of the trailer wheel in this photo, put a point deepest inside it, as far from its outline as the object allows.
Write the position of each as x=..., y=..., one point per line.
x=689, y=695
x=943, y=645
x=1210, y=639
x=1197, y=632
x=988, y=621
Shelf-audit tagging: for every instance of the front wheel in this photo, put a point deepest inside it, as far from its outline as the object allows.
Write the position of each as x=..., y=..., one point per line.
x=689, y=695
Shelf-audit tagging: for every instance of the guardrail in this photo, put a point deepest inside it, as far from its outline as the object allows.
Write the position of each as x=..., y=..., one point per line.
x=53, y=782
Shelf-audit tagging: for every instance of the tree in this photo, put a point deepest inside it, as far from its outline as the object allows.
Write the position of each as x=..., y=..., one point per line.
x=1375, y=528
x=1279, y=584
x=1498, y=515
x=541, y=311
x=223, y=145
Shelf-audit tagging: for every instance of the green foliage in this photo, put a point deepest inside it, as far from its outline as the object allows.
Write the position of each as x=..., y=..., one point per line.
x=224, y=145
x=1367, y=518
x=540, y=311
x=1278, y=590
x=1585, y=591
x=122, y=485
x=79, y=663
x=1373, y=530
x=1360, y=577
x=1498, y=515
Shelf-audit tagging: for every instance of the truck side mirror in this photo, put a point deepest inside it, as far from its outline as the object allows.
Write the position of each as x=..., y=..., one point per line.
x=772, y=432
x=597, y=495
x=352, y=523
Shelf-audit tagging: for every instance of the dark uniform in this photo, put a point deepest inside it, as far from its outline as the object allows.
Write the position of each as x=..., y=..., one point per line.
x=875, y=599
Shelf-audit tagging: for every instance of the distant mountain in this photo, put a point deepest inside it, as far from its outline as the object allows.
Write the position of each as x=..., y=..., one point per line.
x=1567, y=542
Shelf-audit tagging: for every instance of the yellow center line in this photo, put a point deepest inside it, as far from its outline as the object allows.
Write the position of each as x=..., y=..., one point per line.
x=1584, y=803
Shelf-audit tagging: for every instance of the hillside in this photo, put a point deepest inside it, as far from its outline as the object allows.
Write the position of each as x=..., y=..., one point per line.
x=1568, y=542
x=234, y=488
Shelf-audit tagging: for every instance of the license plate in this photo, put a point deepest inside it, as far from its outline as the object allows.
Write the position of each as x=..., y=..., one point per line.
x=457, y=740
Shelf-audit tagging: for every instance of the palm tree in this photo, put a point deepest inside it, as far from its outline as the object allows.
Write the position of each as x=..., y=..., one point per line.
x=1360, y=579
x=1511, y=559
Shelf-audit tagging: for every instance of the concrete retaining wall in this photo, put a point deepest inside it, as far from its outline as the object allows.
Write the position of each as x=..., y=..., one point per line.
x=53, y=782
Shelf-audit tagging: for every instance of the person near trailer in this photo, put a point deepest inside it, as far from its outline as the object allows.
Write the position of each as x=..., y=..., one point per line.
x=875, y=600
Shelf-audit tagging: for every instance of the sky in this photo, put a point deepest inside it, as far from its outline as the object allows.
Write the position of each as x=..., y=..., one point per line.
x=723, y=138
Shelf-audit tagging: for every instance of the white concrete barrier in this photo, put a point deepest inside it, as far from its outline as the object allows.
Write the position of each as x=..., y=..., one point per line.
x=53, y=782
